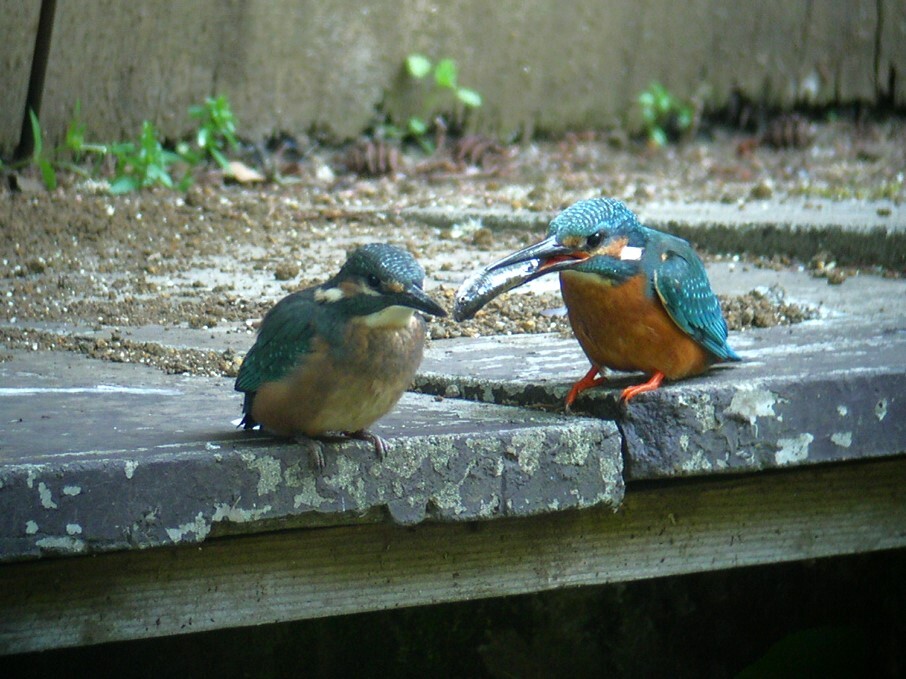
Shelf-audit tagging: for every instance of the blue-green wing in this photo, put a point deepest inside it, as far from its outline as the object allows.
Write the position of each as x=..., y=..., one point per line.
x=285, y=336
x=682, y=285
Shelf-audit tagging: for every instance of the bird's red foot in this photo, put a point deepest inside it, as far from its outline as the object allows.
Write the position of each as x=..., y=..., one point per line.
x=591, y=379
x=380, y=444
x=650, y=385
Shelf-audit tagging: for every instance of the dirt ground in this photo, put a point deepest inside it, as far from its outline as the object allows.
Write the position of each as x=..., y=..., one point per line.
x=221, y=254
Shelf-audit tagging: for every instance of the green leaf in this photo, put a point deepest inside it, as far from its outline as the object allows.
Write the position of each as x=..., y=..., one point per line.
x=48, y=174
x=658, y=137
x=185, y=182
x=123, y=184
x=418, y=65
x=417, y=127
x=445, y=74
x=36, y=136
x=219, y=158
x=469, y=97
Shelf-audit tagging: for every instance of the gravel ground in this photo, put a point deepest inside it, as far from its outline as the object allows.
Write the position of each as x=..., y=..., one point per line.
x=221, y=254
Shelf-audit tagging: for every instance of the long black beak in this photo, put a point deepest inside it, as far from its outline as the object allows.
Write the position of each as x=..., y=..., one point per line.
x=510, y=272
x=540, y=253
x=417, y=298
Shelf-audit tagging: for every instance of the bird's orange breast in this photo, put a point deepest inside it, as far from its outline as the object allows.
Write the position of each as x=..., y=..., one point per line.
x=622, y=328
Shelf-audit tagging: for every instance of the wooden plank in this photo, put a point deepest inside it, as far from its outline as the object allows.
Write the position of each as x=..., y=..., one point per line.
x=662, y=529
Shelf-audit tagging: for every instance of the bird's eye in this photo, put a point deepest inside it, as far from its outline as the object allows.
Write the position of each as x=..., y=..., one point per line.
x=373, y=282
x=594, y=240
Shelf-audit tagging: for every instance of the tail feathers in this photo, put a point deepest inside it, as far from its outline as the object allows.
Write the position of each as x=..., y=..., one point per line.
x=248, y=422
x=730, y=355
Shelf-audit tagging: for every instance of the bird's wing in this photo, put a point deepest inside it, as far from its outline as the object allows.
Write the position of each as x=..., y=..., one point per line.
x=284, y=338
x=683, y=287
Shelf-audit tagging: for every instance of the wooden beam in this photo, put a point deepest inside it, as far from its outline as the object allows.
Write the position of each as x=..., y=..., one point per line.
x=662, y=529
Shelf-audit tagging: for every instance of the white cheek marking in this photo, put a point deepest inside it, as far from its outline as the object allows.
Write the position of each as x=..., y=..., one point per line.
x=630, y=253
x=328, y=295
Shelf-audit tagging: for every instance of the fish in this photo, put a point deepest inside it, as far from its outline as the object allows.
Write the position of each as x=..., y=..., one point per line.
x=484, y=285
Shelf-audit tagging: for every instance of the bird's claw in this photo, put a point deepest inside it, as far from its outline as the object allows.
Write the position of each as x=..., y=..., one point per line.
x=380, y=444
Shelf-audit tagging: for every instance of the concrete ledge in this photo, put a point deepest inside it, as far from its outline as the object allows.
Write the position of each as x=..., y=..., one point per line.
x=107, y=475
x=816, y=392
x=662, y=529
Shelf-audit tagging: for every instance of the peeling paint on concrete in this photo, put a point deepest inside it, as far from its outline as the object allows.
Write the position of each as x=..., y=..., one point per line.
x=72, y=491
x=844, y=439
x=199, y=526
x=67, y=545
x=269, y=471
x=793, y=450
x=131, y=466
x=750, y=403
x=31, y=527
x=46, y=496
x=73, y=529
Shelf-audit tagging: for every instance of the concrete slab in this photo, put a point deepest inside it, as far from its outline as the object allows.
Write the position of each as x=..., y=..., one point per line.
x=99, y=456
x=817, y=392
x=855, y=232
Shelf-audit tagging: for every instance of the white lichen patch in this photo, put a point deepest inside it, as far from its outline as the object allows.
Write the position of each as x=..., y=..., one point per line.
x=527, y=447
x=269, y=471
x=696, y=462
x=225, y=512
x=750, y=403
x=309, y=497
x=844, y=439
x=46, y=496
x=349, y=479
x=701, y=407
x=881, y=409
x=408, y=455
x=72, y=491
x=199, y=527
x=793, y=450
x=130, y=467
x=73, y=529
x=31, y=528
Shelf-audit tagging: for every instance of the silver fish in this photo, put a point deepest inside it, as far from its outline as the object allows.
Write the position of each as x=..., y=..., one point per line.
x=483, y=286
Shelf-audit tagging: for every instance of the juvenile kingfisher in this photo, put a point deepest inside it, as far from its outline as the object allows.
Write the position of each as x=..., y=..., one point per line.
x=336, y=357
x=638, y=299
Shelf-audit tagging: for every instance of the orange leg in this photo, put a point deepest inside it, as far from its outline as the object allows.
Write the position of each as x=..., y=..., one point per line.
x=650, y=385
x=591, y=379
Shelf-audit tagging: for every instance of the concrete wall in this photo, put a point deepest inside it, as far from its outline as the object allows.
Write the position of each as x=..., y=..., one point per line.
x=298, y=64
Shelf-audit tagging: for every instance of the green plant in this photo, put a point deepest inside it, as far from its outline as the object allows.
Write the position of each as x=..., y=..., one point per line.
x=144, y=162
x=216, y=131
x=38, y=157
x=664, y=116
x=440, y=91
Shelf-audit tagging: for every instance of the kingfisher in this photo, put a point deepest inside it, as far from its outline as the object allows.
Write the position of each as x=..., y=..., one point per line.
x=638, y=299
x=332, y=359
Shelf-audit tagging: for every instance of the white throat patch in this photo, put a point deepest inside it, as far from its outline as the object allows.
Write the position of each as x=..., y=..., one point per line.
x=392, y=317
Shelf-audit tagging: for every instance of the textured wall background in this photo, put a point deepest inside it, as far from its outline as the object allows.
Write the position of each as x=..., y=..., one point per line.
x=297, y=64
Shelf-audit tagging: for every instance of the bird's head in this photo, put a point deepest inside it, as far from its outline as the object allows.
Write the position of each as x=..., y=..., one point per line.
x=598, y=227
x=381, y=284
